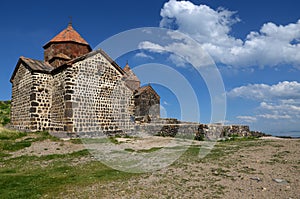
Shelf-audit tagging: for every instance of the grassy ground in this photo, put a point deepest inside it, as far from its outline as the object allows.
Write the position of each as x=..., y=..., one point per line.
x=224, y=173
x=32, y=177
x=236, y=168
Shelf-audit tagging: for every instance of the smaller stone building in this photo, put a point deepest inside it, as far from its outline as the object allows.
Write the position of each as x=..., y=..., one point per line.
x=146, y=102
x=76, y=90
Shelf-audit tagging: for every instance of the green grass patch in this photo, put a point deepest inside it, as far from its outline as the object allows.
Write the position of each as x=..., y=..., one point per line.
x=114, y=140
x=14, y=146
x=76, y=141
x=238, y=138
x=25, y=177
x=149, y=150
x=129, y=150
x=144, y=150
x=11, y=140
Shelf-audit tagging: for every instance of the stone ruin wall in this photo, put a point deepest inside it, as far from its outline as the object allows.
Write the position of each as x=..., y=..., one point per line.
x=101, y=102
x=190, y=130
x=20, y=103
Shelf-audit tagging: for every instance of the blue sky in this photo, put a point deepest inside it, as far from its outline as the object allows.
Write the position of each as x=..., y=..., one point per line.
x=255, y=45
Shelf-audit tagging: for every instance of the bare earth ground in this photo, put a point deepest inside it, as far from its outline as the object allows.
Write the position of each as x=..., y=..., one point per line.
x=264, y=168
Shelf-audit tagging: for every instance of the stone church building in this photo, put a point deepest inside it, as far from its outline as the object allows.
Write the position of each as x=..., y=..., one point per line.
x=75, y=89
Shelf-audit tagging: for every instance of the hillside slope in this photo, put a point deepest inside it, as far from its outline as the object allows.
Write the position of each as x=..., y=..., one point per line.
x=4, y=112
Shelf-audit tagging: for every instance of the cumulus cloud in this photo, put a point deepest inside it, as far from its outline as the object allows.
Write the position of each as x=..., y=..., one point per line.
x=272, y=45
x=283, y=90
x=143, y=55
x=279, y=110
x=276, y=102
x=246, y=118
x=182, y=48
x=152, y=47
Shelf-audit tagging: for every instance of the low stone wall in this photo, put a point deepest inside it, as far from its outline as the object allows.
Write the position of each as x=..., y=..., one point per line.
x=191, y=130
x=173, y=129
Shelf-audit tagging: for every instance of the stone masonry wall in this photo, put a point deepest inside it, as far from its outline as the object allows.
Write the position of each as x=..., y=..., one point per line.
x=147, y=103
x=58, y=103
x=101, y=101
x=191, y=130
x=40, y=99
x=20, y=103
x=72, y=50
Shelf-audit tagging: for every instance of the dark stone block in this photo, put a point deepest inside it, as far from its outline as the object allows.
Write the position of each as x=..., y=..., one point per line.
x=69, y=104
x=67, y=97
x=68, y=113
x=34, y=104
x=68, y=128
x=32, y=96
x=32, y=110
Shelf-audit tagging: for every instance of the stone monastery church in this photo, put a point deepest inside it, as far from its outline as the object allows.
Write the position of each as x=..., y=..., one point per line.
x=75, y=89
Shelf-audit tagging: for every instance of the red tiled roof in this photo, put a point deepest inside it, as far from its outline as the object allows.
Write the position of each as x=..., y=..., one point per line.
x=68, y=34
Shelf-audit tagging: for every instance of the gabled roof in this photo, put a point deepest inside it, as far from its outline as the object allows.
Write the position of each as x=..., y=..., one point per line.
x=32, y=65
x=146, y=88
x=109, y=59
x=37, y=65
x=68, y=35
x=45, y=67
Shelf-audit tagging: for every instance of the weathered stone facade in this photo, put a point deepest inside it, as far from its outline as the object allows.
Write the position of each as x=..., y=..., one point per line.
x=147, y=102
x=73, y=90
x=100, y=101
x=21, y=103
x=40, y=99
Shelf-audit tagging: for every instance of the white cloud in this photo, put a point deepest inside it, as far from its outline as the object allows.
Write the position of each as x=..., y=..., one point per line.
x=279, y=104
x=274, y=116
x=182, y=49
x=166, y=103
x=283, y=90
x=143, y=55
x=152, y=47
x=248, y=119
x=272, y=45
